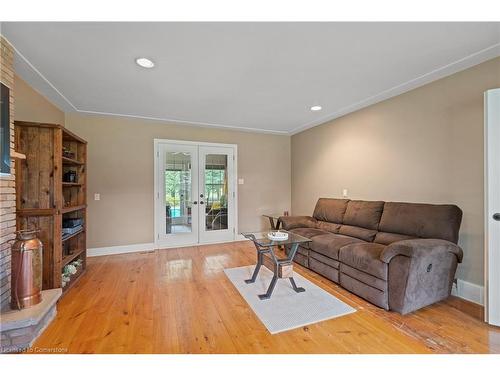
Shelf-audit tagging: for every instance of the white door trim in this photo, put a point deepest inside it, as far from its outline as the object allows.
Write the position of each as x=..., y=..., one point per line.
x=492, y=205
x=156, y=143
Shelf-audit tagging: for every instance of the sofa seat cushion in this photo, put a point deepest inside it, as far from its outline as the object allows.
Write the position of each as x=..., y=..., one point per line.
x=365, y=256
x=308, y=232
x=330, y=244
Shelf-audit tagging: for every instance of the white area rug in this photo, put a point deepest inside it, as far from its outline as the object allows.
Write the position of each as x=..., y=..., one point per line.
x=286, y=309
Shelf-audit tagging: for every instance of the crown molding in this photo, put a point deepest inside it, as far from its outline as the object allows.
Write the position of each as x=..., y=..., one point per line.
x=444, y=71
x=187, y=122
x=27, y=71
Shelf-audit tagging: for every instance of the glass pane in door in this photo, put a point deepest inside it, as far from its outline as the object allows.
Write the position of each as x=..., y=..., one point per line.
x=178, y=209
x=216, y=191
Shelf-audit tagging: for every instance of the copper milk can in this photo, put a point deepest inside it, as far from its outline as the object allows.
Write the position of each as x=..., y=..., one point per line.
x=26, y=274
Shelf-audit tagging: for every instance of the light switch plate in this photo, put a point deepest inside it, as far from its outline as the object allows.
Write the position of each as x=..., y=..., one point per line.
x=241, y=181
x=97, y=197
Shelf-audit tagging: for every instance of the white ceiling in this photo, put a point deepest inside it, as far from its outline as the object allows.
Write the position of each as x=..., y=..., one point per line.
x=253, y=76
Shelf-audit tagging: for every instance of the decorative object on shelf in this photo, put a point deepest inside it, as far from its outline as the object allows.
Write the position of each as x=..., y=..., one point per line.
x=26, y=265
x=65, y=279
x=69, y=270
x=68, y=153
x=277, y=236
x=70, y=176
x=71, y=223
x=71, y=226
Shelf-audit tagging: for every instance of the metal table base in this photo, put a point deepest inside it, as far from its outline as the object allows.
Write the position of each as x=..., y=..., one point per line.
x=276, y=262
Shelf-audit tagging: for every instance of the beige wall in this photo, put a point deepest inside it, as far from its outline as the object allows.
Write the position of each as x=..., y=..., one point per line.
x=32, y=106
x=423, y=146
x=120, y=168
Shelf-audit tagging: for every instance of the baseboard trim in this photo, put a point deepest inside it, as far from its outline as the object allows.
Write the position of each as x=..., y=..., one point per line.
x=468, y=291
x=135, y=248
x=122, y=249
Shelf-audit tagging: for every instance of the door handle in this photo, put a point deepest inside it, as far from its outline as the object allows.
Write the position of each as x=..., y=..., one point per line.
x=195, y=202
x=496, y=216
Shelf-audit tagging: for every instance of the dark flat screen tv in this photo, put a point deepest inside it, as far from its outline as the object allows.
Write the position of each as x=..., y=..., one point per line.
x=5, y=130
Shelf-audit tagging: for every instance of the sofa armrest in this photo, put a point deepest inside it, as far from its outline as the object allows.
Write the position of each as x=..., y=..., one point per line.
x=291, y=222
x=420, y=247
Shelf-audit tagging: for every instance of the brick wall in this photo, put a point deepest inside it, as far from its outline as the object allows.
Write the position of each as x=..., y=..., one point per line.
x=7, y=183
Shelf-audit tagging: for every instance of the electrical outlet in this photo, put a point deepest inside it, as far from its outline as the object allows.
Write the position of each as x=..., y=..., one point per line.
x=97, y=197
x=241, y=181
x=344, y=193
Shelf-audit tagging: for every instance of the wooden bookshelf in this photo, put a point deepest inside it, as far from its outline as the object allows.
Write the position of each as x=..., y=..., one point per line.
x=44, y=200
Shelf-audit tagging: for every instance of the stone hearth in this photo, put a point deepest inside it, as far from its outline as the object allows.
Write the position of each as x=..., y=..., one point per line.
x=20, y=328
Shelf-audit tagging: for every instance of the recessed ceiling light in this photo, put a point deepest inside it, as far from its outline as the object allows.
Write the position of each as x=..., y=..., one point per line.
x=144, y=62
x=316, y=108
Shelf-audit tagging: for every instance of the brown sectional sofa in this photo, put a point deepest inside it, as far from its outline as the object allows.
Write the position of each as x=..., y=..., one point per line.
x=398, y=256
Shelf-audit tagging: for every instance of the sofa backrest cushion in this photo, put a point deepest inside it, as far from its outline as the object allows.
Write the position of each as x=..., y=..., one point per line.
x=441, y=221
x=364, y=214
x=330, y=209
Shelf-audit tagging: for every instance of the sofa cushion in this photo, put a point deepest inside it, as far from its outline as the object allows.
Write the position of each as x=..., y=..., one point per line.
x=330, y=244
x=357, y=232
x=365, y=256
x=329, y=227
x=422, y=220
x=330, y=209
x=364, y=214
x=308, y=232
x=387, y=238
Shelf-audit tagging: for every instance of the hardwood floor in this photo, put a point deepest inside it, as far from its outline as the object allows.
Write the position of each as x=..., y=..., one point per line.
x=180, y=301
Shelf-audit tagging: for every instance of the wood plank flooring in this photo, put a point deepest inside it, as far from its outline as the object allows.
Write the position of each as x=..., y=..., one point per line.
x=180, y=301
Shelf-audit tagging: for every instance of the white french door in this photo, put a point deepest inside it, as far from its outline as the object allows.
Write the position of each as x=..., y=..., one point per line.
x=194, y=193
x=492, y=204
x=216, y=194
